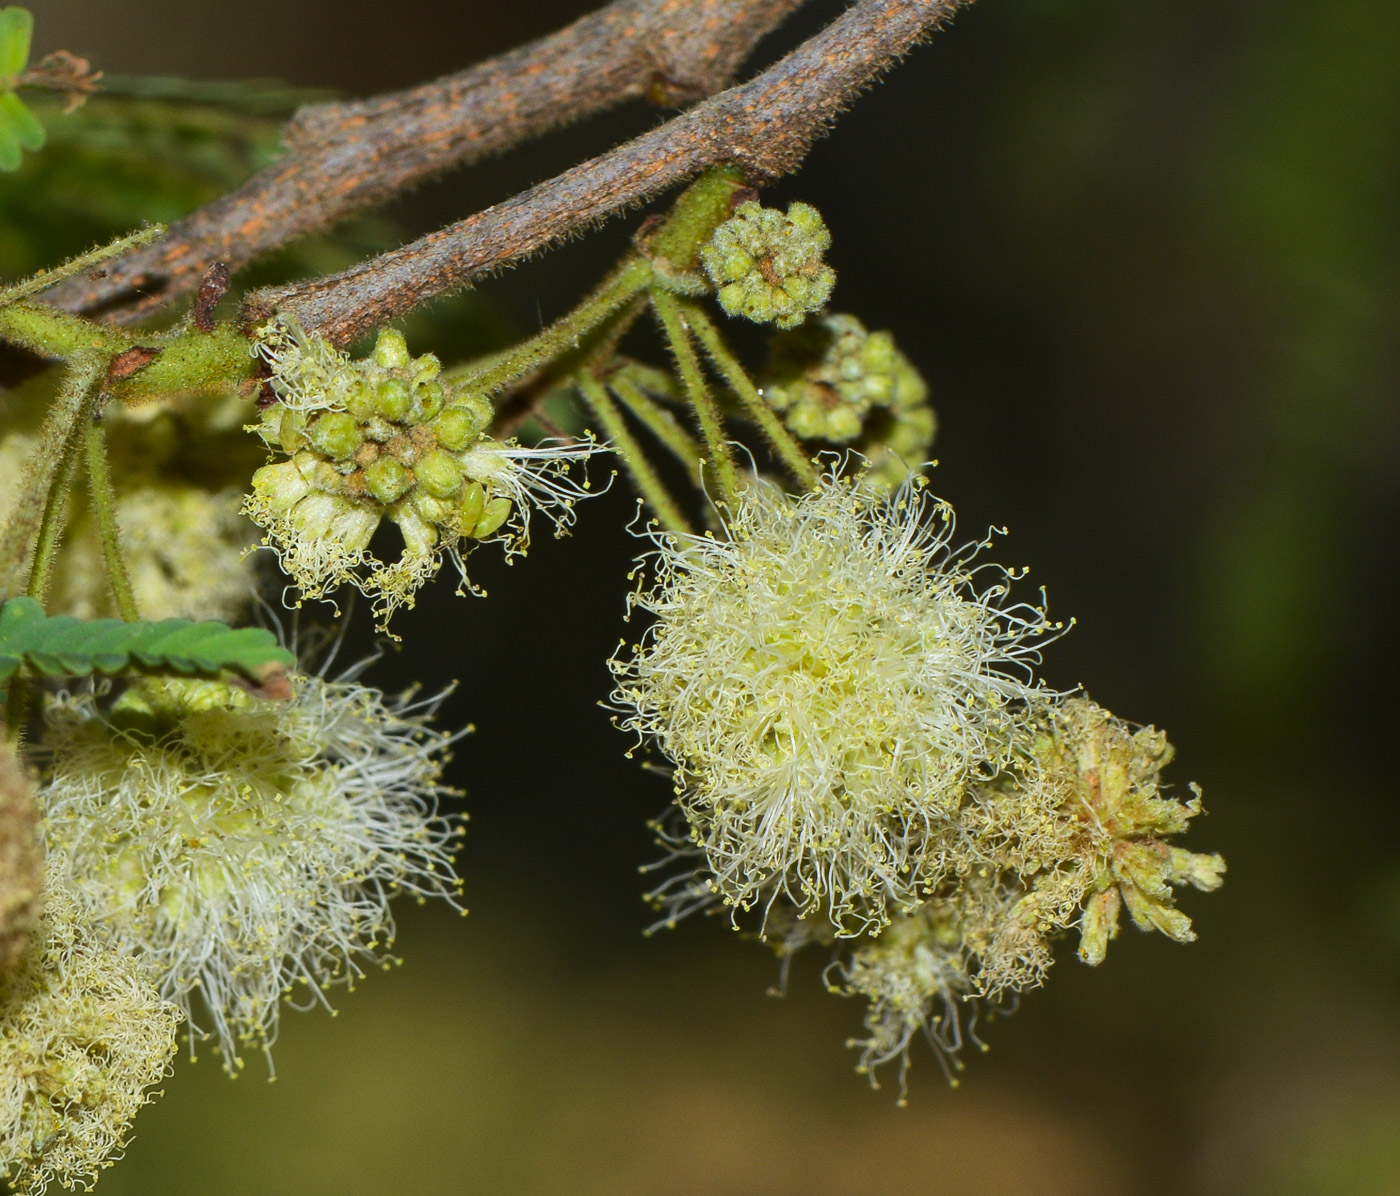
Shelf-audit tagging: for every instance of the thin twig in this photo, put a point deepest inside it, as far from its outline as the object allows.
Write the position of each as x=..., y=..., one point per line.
x=634, y=460
x=784, y=443
x=673, y=323
x=343, y=158
x=104, y=509
x=766, y=126
x=42, y=475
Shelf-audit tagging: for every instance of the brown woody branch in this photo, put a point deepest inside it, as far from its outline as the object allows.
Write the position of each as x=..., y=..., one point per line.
x=766, y=126
x=343, y=158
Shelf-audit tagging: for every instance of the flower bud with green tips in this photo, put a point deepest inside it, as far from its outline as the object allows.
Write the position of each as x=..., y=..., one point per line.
x=380, y=439
x=831, y=380
x=768, y=266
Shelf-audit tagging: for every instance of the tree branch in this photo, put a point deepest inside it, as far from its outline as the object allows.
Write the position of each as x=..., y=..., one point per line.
x=342, y=158
x=766, y=126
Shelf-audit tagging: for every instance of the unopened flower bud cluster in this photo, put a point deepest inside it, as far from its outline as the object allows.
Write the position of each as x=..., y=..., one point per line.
x=767, y=266
x=832, y=380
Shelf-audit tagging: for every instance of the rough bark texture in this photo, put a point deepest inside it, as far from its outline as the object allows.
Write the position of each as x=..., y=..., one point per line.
x=343, y=158
x=766, y=126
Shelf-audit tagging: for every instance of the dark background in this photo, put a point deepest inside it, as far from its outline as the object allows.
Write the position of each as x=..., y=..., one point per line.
x=1146, y=256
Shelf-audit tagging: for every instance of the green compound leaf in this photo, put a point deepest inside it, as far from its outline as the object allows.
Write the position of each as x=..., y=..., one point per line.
x=62, y=645
x=16, y=28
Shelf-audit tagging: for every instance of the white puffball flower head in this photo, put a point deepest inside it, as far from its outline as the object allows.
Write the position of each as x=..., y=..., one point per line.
x=83, y=1036
x=239, y=847
x=827, y=675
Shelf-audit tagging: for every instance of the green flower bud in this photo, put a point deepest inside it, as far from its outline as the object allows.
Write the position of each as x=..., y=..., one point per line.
x=828, y=376
x=495, y=513
x=456, y=427
x=438, y=474
x=480, y=406
x=428, y=400
x=359, y=398
x=425, y=369
x=432, y=510
x=390, y=349
x=337, y=434
x=470, y=507
x=393, y=399
x=387, y=479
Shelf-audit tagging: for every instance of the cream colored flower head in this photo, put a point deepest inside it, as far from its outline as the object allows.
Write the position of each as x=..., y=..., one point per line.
x=915, y=977
x=245, y=849
x=83, y=1036
x=359, y=442
x=828, y=676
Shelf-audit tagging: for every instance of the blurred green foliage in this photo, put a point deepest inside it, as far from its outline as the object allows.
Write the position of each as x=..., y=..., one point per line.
x=19, y=128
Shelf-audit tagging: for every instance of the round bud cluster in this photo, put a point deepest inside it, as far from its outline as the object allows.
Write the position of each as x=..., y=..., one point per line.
x=826, y=378
x=83, y=1035
x=767, y=266
x=381, y=438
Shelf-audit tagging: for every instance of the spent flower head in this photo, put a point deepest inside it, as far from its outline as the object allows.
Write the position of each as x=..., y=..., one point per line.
x=83, y=1035
x=828, y=676
x=383, y=438
x=1112, y=779
x=1056, y=842
x=915, y=977
x=238, y=847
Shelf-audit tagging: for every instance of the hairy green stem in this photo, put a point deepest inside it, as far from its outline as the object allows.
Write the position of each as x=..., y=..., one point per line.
x=673, y=323
x=76, y=265
x=634, y=460
x=52, y=524
x=656, y=419
x=623, y=285
x=702, y=208
x=655, y=383
x=42, y=474
x=104, y=509
x=53, y=333
x=798, y=462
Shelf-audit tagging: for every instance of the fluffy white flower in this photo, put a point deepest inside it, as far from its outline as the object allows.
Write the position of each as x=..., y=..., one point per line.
x=237, y=847
x=828, y=676
x=83, y=1035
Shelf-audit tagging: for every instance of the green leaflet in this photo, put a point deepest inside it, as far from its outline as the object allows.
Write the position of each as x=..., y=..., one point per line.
x=16, y=28
x=60, y=644
x=19, y=128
